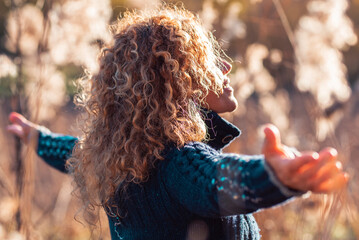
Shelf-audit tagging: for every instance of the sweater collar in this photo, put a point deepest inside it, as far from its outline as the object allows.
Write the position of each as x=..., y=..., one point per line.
x=220, y=131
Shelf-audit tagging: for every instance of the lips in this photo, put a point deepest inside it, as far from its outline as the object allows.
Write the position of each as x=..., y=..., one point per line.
x=226, y=86
x=226, y=83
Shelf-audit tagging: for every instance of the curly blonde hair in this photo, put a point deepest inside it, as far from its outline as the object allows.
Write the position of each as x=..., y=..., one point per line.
x=148, y=92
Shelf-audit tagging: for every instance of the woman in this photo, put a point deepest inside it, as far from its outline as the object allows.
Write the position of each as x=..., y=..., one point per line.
x=150, y=153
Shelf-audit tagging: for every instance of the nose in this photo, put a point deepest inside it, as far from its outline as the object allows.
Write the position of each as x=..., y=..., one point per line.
x=226, y=67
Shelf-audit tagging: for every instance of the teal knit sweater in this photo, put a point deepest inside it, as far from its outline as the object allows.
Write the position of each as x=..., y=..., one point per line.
x=197, y=192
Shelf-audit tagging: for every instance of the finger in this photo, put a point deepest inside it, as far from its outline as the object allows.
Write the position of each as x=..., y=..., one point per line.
x=333, y=184
x=272, y=143
x=328, y=171
x=328, y=153
x=16, y=130
x=307, y=158
x=313, y=169
x=291, y=152
x=324, y=156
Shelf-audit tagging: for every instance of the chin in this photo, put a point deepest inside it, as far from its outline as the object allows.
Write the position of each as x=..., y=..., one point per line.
x=228, y=106
x=233, y=106
x=223, y=103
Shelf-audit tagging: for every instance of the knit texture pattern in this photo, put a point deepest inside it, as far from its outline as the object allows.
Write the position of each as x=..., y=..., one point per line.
x=55, y=149
x=196, y=192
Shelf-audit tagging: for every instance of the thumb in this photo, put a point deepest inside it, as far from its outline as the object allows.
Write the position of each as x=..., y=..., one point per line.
x=272, y=143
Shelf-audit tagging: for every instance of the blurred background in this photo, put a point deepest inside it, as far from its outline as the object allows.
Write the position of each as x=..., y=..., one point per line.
x=295, y=64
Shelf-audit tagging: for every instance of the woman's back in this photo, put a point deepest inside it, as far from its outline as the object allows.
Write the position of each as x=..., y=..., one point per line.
x=195, y=190
x=150, y=212
x=179, y=199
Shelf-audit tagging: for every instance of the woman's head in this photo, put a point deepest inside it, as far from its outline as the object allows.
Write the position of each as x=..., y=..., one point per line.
x=152, y=82
x=225, y=101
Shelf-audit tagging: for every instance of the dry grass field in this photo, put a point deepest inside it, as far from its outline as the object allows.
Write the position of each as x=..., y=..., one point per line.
x=295, y=64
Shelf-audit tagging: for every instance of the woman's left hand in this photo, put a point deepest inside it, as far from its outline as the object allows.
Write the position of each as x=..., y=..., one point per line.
x=26, y=130
x=306, y=171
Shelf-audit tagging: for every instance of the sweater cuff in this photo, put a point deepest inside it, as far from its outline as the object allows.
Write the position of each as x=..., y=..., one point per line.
x=249, y=184
x=54, y=148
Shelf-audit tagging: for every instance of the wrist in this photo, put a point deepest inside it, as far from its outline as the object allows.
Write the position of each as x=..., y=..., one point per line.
x=285, y=189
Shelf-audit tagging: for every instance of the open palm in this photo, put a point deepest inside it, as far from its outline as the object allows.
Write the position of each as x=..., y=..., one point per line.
x=306, y=171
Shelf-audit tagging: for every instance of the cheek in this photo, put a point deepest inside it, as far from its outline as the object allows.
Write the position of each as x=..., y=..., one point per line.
x=214, y=102
x=211, y=99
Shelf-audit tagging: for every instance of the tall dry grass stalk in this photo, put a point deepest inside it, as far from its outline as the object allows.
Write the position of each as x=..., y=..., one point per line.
x=320, y=37
x=19, y=168
x=314, y=115
x=319, y=111
x=42, y=37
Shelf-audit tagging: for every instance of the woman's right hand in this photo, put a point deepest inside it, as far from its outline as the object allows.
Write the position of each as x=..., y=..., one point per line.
x=24, y=129
x=308, y=171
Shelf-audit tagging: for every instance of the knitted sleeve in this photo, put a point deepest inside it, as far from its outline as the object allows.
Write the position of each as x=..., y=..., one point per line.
x=55, y=149
x=212, y=184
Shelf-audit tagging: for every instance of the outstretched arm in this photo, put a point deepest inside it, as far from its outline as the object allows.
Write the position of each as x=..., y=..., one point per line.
x=55, y=149
x=210, y=184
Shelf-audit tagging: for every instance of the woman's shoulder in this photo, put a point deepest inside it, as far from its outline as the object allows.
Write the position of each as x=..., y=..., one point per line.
x=191, y=161
x=191, y=167
x=190, y=150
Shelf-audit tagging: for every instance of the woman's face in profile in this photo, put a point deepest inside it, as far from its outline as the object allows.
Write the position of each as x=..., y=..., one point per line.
x=225, y=102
